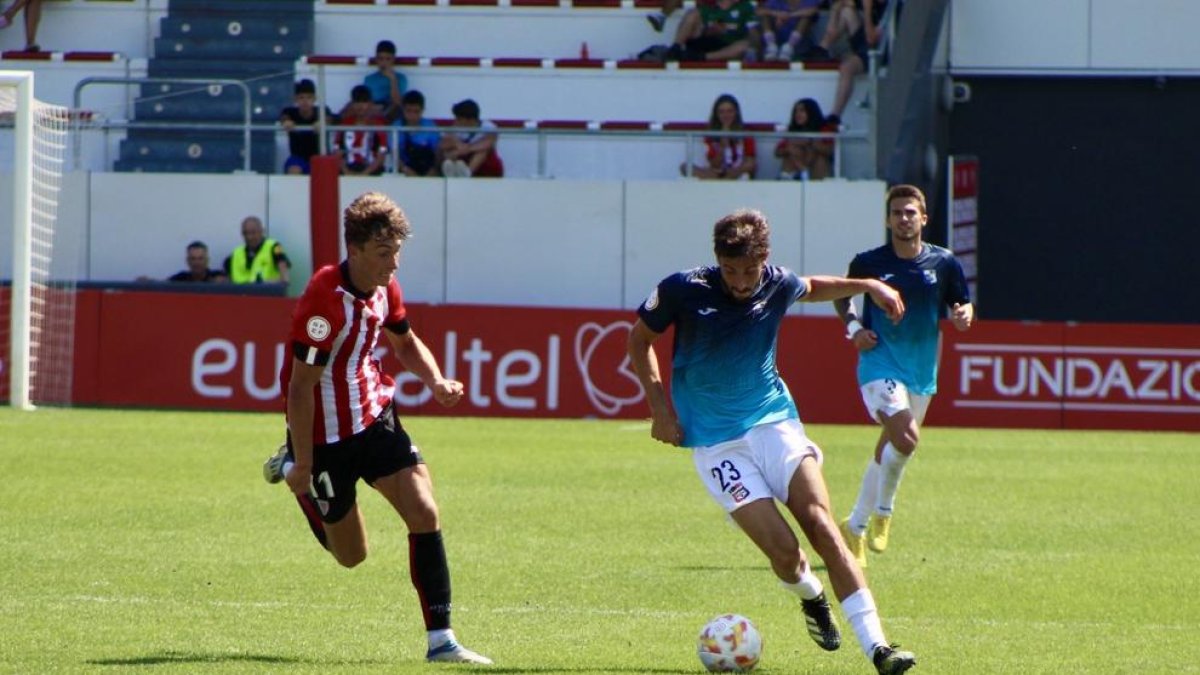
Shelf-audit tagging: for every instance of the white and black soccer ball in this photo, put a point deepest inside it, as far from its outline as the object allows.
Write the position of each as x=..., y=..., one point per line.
x=729, y=644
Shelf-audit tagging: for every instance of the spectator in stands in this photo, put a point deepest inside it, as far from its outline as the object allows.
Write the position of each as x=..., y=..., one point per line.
x=386, y=84
x=302, y=122
x=659, y=19
x=362, y=152
x=418, y=149
x=805, y=158
x=722, y=30
x=729, y=157
x=260, y=260
x=197, y=267
x=858, y=21
x=33, y=16
x=785, y=28
x=471, y=151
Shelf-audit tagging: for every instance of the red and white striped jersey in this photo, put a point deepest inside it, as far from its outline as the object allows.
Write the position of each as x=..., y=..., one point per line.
x=337, y=326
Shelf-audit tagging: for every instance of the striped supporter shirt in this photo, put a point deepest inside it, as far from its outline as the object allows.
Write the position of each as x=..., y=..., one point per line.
x=337, y=326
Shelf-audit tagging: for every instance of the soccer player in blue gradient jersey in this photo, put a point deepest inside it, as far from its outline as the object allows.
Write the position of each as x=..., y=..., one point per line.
x=897, y=361
x=734, y=411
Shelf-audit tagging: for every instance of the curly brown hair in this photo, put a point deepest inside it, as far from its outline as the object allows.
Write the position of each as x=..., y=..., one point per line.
x=373, y=215
x=742, y=234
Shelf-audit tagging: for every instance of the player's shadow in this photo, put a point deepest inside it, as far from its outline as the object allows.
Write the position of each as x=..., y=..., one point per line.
x=591, y=669
x=178, y=658
x=812, y=562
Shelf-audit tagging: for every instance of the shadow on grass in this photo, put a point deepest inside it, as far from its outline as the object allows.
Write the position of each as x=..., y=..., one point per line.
x=813, y=562
x=589, y=669
x=176, y=658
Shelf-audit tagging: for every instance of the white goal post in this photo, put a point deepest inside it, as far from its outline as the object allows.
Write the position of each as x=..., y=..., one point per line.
x=42, y=310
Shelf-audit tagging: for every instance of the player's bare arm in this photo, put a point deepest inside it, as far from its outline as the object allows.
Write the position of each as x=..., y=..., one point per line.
x=300, y=422
x=962, y=315
x=664, y=426
x=419, y=361
x=825, y=288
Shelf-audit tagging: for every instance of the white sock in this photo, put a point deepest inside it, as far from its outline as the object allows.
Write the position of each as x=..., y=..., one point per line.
x=868, y=497
x=860, y=611
x=808, y=587
x=287, y=466
x=437, y=638
x=891, y=469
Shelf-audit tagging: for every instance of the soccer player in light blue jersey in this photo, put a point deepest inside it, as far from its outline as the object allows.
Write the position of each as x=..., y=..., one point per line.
x=897, y=361
x=730, y=406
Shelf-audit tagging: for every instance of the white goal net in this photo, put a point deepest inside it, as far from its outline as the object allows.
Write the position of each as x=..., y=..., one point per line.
x=37, y=300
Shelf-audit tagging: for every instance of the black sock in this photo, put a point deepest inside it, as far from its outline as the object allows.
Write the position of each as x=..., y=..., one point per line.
x=431, y=577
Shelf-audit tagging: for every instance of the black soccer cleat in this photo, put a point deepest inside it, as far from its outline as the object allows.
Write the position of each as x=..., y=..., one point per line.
x=822, y=627
x=889, y=660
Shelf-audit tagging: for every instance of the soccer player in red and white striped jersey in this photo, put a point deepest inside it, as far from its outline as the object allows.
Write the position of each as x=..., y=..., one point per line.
x=342, y=424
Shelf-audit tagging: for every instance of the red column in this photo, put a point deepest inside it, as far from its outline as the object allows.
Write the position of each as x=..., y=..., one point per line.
x=323, y=207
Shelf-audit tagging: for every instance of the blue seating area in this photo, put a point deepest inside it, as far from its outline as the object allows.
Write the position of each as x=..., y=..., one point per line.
x=253, y=41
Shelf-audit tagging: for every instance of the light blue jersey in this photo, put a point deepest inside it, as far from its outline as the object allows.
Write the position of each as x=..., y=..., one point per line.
x=724, y=380
x=907, y=352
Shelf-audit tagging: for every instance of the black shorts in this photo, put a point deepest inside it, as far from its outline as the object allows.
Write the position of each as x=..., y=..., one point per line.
x=380, y=450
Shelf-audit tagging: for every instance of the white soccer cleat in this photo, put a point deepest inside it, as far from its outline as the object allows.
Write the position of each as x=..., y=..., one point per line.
x=452, y=652
x=273, y=467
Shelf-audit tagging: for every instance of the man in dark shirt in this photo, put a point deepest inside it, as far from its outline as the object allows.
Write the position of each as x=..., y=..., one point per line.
x=197, y=267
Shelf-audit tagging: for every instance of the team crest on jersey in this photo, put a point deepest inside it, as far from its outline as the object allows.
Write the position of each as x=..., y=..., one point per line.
x=930, y=276
x=652, y=301
x=317, y=328
x=739, y=493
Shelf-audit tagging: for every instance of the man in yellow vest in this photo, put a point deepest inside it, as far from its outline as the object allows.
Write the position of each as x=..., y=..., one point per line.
x=259, y=260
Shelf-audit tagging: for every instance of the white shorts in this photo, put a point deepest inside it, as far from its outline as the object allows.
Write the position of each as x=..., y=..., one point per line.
x=890, y=397
x=759, y=465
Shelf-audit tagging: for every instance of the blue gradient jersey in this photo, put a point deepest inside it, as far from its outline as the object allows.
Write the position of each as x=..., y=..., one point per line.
x=723, y=375
x=907, y=352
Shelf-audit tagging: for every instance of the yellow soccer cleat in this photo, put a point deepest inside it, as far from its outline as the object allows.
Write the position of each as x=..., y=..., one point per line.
x=856, y=543
x=878, y=529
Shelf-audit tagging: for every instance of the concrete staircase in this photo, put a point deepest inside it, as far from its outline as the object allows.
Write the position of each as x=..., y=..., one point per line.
x=255, y=42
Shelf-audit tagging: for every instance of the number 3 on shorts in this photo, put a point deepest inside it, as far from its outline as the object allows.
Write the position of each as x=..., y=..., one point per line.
x=726, y=473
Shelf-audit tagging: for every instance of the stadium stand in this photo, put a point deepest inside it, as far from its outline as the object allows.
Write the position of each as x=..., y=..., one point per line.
x=519, y=58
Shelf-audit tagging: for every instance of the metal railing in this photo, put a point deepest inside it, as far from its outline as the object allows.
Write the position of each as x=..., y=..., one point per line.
x=245, y=126
x=689, y=138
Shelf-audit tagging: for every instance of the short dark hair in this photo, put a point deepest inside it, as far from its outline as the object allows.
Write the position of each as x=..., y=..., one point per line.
x=466, y=109
x=903, y=192
x=742, y=234
x=305, y=86
x=198, y=244
x=386, y=46
x=413, y=97
x=361, y=93
x=373, y=215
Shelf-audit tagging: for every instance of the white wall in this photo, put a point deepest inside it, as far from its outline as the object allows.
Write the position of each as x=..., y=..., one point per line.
x=1074, y=36
x=553, y=243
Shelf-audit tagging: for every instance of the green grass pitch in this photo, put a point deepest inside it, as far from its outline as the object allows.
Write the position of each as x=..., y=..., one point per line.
x=148, y=541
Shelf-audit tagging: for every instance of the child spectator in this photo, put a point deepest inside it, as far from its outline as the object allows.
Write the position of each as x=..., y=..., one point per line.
x=722, y=30
x=729, y=157
x=785, y=28
x=418, y=149
x=806, y=158
x=471, y=151
x=302, y=122
x=362, y=151
x=386, y=84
